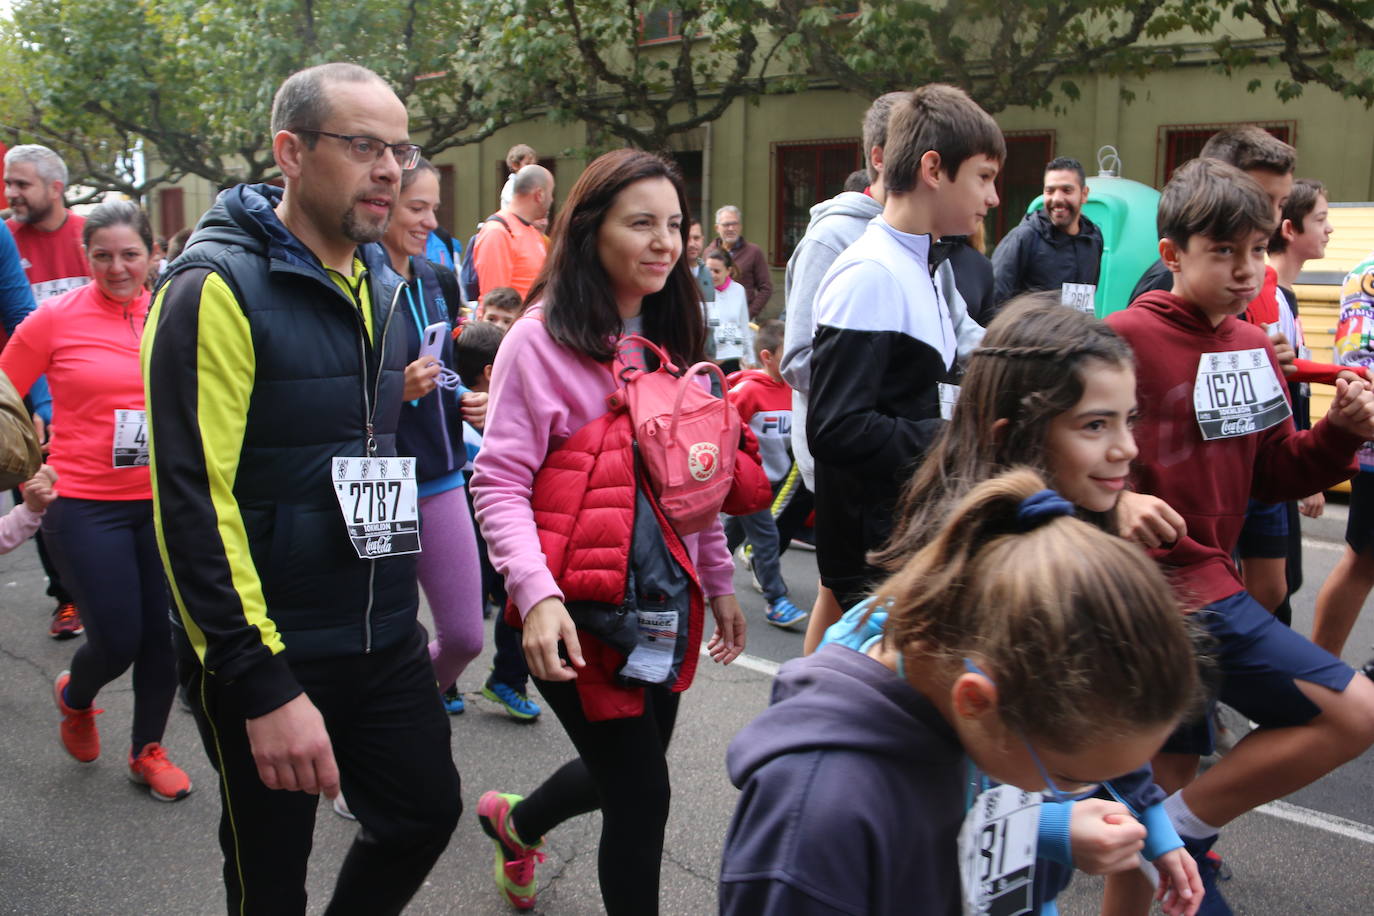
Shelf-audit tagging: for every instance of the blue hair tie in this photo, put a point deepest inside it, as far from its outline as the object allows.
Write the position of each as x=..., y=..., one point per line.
x=1041, y=507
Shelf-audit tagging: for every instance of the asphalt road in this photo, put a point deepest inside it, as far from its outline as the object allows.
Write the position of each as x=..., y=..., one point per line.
x=80, y=839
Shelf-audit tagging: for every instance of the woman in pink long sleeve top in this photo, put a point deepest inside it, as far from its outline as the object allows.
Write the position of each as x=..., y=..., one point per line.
x=615, y=268
x=100, y=529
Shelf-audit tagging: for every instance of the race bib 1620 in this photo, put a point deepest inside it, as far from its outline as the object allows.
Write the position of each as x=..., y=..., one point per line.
x=1237, y=393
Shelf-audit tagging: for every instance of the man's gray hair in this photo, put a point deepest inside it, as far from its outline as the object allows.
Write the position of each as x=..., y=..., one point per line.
x=531, y=178
x=46, y=163
x=728, y=208
x=301, y=103
x=875, y=127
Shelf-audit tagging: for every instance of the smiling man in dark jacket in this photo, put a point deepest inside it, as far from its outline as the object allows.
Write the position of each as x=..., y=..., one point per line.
x=1053, y=247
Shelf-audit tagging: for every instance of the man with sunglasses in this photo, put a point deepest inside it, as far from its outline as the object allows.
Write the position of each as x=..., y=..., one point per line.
x=286, y=522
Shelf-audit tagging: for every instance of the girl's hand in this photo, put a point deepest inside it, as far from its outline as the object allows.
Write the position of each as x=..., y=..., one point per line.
x=474, y=408
x=1180, y=887
x=1313, y=506
x=546, y=625
x=728, y=641
x=1353, y=409
x=420, y=378
x=1148, y=520
x=38, y=490
x=1104, y=837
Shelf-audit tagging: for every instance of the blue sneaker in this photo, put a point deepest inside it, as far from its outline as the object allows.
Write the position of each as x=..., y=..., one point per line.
x=453, y=701
x=783, y=613
x=1212, y=871
x=517, y=705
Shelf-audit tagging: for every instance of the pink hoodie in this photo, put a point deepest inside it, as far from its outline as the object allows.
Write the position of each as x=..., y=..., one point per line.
x=542, y=393
x=17, y=526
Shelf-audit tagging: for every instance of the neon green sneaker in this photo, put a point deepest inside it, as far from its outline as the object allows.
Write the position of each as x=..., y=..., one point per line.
x=514, y=867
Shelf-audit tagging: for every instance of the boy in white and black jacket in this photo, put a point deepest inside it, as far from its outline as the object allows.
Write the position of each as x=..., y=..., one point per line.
x=884, y=337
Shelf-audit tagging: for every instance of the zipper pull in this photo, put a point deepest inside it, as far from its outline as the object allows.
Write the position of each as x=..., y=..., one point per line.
x=371, y=441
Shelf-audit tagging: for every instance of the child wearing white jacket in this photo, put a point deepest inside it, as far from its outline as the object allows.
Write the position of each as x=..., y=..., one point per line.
x=729, y=314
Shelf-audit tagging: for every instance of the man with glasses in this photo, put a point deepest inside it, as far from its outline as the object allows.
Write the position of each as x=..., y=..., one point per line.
x=287, y=524
x=754, y=274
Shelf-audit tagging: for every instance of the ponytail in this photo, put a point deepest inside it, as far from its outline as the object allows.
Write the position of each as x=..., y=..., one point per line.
x=1079, y=628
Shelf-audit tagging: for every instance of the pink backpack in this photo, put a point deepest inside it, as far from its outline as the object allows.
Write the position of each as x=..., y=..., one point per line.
x=686, y=437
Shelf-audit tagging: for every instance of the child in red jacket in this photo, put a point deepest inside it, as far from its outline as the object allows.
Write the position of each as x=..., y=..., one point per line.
x=764, y=402
x=1215, y=429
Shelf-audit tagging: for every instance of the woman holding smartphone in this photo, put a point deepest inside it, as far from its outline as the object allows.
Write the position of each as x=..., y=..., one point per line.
x=431, y=431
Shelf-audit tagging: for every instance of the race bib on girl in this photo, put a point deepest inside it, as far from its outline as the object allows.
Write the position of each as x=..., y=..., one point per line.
x=997, y=852
x=130, y=439
x=380, y=505
x=1237, y=393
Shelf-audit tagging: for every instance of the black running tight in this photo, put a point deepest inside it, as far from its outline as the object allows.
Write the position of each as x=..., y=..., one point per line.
x=623, y=771
x=106, y=551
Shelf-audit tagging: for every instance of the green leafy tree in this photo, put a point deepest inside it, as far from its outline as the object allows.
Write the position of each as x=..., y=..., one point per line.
x=195, y=81
x=1322, y=42
x=588, y=61
x=1003, y=53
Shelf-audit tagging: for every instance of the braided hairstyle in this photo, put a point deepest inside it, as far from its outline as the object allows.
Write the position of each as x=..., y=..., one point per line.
x=1028, y=371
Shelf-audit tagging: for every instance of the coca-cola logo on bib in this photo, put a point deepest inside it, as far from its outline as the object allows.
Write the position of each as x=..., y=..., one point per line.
x=703, y=459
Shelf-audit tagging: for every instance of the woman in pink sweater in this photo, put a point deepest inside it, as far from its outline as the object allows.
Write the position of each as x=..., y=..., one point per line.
x=100, y=529
x=615, y=268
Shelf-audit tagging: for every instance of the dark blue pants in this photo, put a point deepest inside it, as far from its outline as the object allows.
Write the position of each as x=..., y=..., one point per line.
x=106, y=552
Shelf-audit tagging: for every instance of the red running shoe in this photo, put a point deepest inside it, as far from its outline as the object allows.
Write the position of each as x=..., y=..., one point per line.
x=165, y=780
x=66, y=622
x=79, y=735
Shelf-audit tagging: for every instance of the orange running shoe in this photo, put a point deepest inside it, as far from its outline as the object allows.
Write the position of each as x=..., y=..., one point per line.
x=79, y=735
x=66, y=622
x=165, y=780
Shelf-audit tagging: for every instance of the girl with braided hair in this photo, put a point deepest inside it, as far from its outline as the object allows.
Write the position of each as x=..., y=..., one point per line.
x=1053, y=389
x=856, y=780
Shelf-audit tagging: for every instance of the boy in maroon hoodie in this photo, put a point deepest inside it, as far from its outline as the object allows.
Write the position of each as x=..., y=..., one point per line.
x=1215, y=429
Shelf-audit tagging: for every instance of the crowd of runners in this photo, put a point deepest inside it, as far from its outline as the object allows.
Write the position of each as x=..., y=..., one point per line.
x=1048, y=544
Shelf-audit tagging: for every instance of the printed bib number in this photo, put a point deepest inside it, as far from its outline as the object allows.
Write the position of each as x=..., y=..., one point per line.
x=131, y=439
x=380, y=505
x=652, y=658
x=997, y=852
x=1237, y=393
x=1079, y=296
x=949, y=396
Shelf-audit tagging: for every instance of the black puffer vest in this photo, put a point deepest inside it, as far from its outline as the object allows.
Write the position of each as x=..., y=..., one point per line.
x=318, y=378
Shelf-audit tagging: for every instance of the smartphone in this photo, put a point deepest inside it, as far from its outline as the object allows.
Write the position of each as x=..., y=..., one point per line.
x=432, y=340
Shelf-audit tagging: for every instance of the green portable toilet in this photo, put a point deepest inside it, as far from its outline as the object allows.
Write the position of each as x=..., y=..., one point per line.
x=1125, y=212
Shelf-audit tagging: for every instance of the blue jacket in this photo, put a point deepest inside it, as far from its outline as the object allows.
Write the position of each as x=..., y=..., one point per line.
x=16, y=301
x=431, y=428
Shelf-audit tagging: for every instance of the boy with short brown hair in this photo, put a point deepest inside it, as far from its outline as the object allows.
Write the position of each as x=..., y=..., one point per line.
x=884, y=338
x=1216, y=429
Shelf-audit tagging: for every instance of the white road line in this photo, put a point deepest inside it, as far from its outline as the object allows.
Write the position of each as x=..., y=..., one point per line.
x=1331, y=823
x=1285, y=811
x=1322, y=545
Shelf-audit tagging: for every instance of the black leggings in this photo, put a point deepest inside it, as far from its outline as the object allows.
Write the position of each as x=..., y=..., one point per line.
x=106, y=551
x=623, y=771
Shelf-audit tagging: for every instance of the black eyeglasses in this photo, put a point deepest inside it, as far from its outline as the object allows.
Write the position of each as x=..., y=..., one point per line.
x=370, y=149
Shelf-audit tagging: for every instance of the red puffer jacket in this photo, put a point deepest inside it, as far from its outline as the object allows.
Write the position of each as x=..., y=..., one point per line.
x=583, y=500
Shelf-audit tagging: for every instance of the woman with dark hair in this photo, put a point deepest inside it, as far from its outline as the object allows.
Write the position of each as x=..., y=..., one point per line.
x=100, y=529
x=615, y=268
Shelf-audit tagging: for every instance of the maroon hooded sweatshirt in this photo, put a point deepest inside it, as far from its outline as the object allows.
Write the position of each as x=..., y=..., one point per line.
x=1209, y=482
